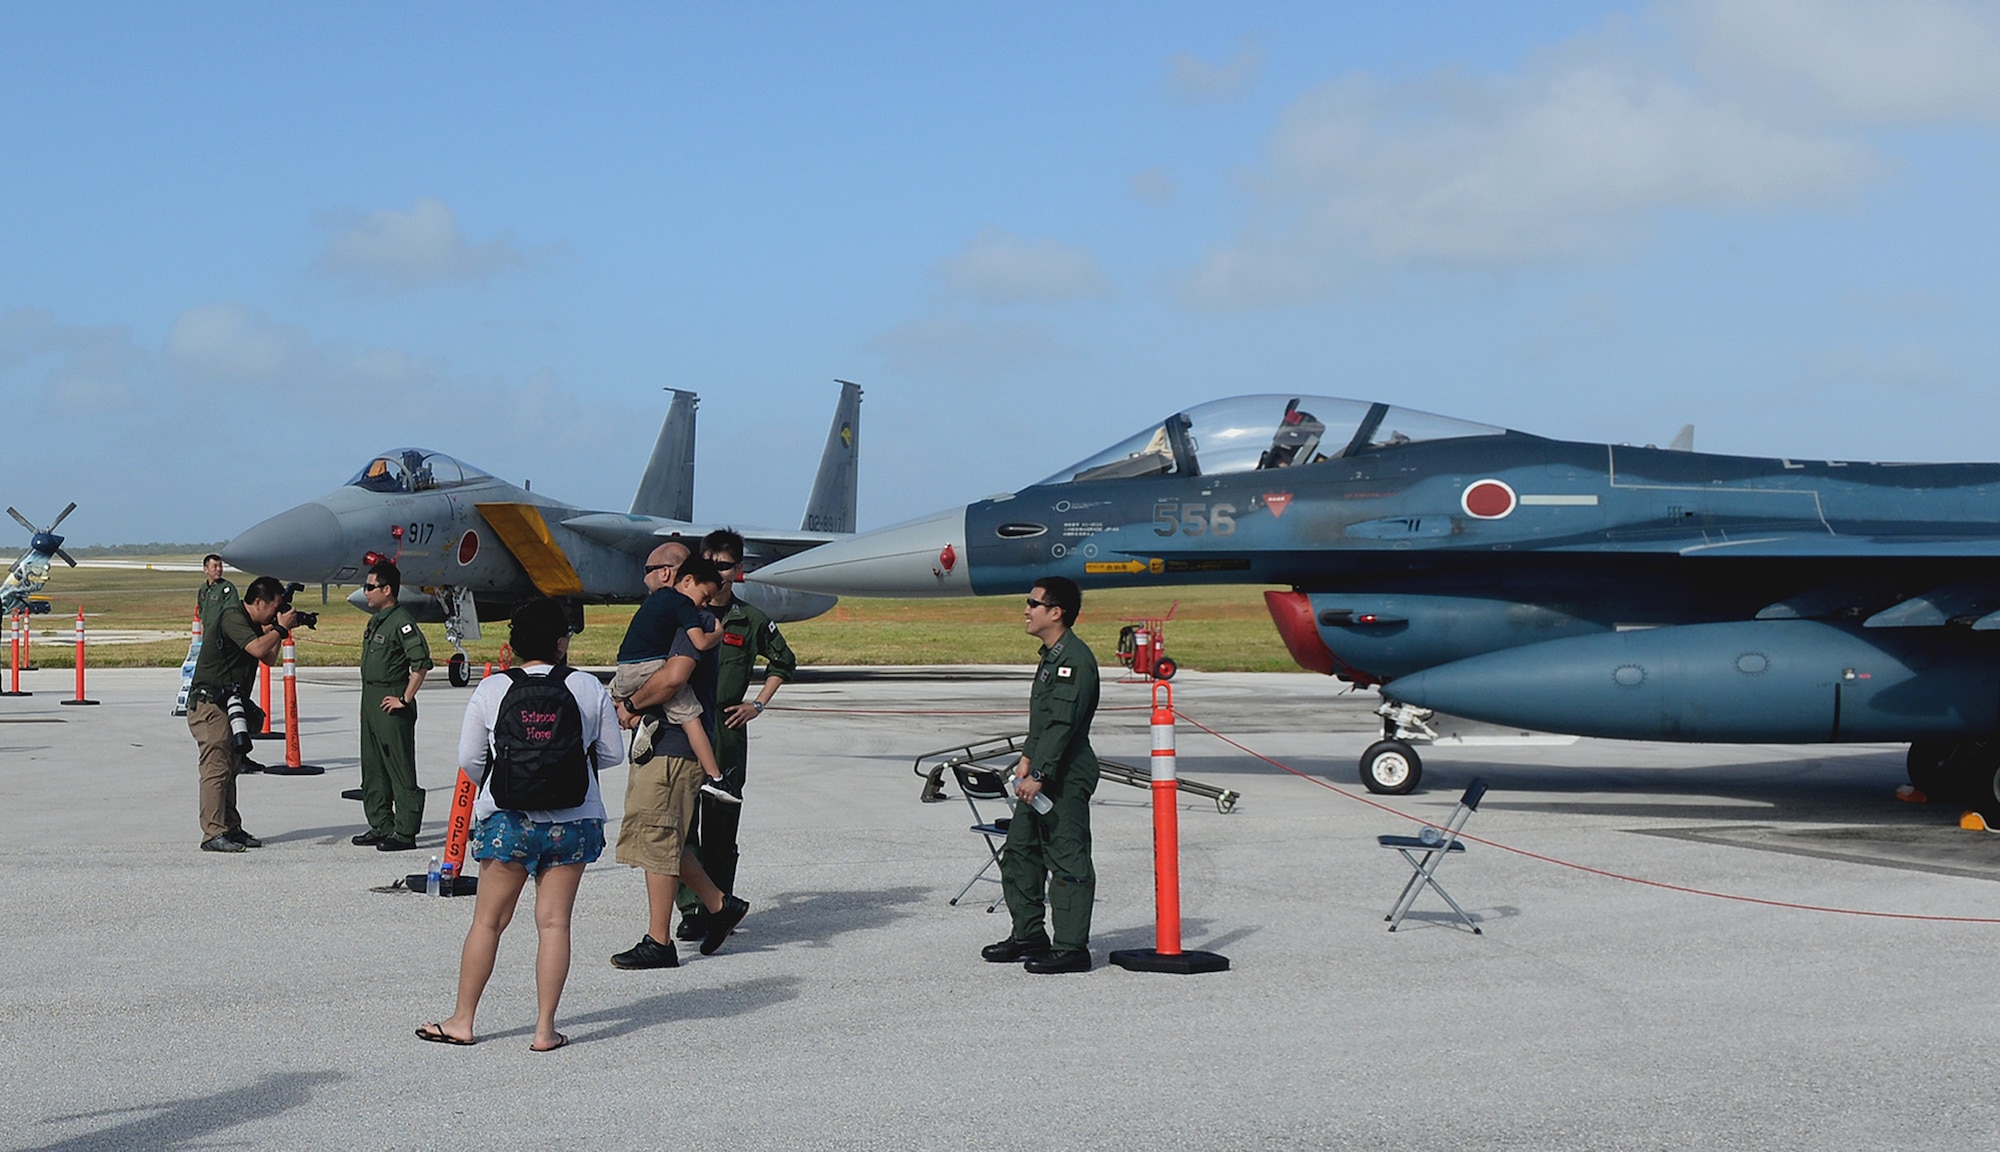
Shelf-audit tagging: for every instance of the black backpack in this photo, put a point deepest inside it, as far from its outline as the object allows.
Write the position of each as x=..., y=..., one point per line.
x=538, y=760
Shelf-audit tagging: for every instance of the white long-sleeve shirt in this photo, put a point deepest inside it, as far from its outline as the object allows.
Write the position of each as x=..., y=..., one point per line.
x=600, y=731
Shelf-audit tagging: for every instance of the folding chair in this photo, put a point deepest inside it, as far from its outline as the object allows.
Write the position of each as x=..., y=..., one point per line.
x=984, y=784
x=1426, y=851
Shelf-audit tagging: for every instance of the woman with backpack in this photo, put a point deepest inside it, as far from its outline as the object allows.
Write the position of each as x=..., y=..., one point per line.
x=535, y=738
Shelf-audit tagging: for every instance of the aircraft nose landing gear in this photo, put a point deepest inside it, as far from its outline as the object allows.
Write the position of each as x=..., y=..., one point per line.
x=1390, y=766
x=459, y=670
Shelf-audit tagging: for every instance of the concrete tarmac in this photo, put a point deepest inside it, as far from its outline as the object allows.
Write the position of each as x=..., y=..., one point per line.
x=154, y=996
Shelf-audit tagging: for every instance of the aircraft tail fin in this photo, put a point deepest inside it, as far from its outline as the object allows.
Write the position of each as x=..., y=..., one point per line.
x=831, y=506
x=667, y=489
x=1683, y=440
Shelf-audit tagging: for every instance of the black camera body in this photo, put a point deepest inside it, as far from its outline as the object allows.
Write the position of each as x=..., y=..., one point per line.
x=306, y=619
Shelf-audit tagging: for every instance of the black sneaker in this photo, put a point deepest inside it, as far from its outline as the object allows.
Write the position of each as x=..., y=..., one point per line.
x=1068, y=960
x=221, y=843
x=1011, y=951
x=244, y=838
x=648, y=953
x=722, y=922
x=694, y=925
x=248, y=768
x=368, y=839
x=352, y=794
x=391, y=844
x=723, y=789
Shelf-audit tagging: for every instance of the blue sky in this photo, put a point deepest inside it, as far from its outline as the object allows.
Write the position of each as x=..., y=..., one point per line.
x=244, y=247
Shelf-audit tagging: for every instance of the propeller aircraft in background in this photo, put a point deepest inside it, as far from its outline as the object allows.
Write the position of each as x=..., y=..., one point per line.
x=31, y=572
x=1473, y=571
x=478, y=546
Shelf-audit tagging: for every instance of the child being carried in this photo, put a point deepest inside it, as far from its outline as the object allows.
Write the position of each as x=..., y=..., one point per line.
x=649, y=640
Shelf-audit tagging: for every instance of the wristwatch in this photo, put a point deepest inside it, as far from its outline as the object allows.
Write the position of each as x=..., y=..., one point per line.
x=757, y=704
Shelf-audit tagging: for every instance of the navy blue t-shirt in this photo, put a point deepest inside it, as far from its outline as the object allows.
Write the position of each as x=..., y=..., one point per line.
x=662, y=617
x=670, y=740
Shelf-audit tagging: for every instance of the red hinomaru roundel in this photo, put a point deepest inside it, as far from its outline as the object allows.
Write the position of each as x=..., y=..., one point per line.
x=468, y=546
x=1488, y=499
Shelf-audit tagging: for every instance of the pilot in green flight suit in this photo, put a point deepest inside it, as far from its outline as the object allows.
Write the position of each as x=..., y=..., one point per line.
x=747, y=635
x=213, y=594
x=394, y=658
x=1052, y=849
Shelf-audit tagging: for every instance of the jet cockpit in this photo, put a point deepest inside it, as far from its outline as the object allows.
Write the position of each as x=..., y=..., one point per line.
x=1250, y=433
x=414, y=470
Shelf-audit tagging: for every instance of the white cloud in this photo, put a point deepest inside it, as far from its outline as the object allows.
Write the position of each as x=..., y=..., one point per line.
x=421, y=246
x=237, y=344
x=1153, y=186
x=88, y=370
x=1572, y=158
x=949, y=346
x=1002, y=268
x=1872, y=61
x=1193, y=79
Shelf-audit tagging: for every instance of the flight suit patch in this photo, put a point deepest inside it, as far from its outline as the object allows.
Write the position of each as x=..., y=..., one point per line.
x=407, y=627
x=1065, y=672
x=732, y=639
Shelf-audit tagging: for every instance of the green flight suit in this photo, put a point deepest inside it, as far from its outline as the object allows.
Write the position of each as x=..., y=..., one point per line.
x=1052, y=851
x=747, y=635
x=391, y=648
x=210, y=599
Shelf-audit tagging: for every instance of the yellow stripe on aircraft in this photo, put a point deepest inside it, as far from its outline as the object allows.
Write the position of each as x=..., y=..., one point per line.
x=1126, y=567
x=524, y=532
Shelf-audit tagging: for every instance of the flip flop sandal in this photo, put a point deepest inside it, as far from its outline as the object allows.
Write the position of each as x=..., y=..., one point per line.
x=561, y=1041
x=436, y=1034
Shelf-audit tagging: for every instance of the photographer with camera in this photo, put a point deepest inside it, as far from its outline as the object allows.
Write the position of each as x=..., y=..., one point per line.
x=394, y=659
x=220, y=712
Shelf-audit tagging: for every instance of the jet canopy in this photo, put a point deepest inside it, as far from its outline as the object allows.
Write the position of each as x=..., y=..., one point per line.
x=1275, y=430
x=414, y=470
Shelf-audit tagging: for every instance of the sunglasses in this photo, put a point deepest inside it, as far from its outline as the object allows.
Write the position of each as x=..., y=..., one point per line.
x=1034, y=603
x=373, y=587
x=652, y=568
x=726, y=565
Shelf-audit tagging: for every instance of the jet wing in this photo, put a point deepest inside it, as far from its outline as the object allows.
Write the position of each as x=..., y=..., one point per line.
x=639, y=535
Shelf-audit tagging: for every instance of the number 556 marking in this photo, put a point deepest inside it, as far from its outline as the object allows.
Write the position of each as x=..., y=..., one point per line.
x=1171, y=516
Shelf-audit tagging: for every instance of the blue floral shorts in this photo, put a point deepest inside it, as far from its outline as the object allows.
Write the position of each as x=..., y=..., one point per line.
x=510, y=837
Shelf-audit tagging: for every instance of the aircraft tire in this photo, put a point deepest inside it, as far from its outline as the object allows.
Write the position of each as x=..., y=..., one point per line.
x=1391, y=768
x=1165, y=669
x=458, y=671
x=1926, y=766
x=1978, y=779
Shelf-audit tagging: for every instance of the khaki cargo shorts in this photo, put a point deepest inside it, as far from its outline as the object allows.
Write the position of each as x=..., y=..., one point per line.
x=659, y=802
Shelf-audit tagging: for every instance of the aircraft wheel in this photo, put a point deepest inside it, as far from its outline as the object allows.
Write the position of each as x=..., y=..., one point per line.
x=1391, y=768
x=1926, y=767
x=459, y=671
x=1165, y=669
x=1978, y=779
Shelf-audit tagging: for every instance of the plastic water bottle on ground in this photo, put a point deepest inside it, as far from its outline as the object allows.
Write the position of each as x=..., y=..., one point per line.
x=433, y=881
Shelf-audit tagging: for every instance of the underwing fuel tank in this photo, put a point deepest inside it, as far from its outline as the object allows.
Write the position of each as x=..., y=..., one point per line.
x=1765, y=681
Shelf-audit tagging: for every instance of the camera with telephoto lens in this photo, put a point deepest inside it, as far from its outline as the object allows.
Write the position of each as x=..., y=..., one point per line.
x=239, y=722
x=306, y=619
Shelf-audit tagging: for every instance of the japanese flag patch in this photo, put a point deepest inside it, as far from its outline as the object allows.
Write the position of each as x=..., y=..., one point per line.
x=1064, y=672
x=407, y=627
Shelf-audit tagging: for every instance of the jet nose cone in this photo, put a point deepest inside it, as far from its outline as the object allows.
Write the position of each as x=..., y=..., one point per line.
x=305, y=543
x=919, y=558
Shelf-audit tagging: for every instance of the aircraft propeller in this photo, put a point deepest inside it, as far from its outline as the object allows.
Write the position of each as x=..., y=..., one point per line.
x=54, y=541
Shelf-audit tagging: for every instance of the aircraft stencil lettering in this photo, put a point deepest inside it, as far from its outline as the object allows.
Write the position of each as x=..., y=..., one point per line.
x=1588, y=589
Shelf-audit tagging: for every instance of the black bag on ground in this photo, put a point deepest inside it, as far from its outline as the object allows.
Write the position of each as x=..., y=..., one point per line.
x=538, y=760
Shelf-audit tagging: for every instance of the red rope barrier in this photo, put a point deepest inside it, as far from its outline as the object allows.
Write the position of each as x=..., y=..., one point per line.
x=1561, y=863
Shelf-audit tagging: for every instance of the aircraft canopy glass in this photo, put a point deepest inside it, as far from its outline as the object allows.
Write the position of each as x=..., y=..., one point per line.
x=1250, y=433
x=414, y=470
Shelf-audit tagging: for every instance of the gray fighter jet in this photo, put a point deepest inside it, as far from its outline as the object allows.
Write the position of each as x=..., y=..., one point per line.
x=476, y=546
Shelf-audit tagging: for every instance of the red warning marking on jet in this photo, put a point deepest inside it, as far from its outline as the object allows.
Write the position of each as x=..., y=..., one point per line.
x=468, y=546
x=1277, y=502
x=1488, y=499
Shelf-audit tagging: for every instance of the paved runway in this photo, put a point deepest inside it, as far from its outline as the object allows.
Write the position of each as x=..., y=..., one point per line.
x=153, y=996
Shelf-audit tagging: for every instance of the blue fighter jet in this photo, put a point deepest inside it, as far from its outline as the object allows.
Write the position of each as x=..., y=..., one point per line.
x=1589, y=589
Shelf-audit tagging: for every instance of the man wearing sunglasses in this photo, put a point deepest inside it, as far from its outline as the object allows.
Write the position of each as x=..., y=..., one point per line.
x=394, y=659
x=1049, y=852
x=747, y=635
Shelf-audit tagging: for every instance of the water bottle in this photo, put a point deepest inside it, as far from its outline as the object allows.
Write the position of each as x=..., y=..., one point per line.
x=1041, y=803
x=1430, y=835
x=445, y=879
x=432, y=880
